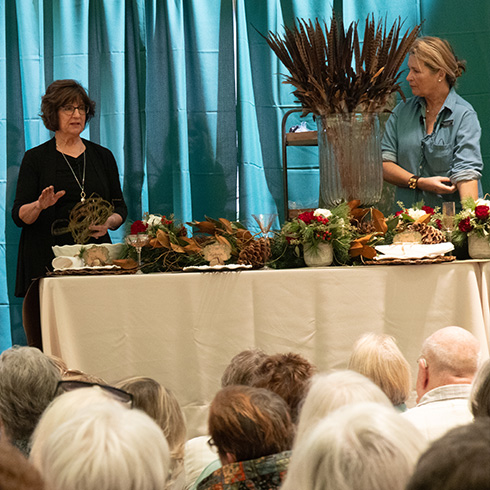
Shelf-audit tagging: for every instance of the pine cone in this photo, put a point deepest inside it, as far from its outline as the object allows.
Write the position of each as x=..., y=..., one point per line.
x=430, y=235
x=256, y=253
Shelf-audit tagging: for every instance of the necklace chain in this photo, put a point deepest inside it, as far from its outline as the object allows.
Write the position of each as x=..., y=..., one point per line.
x=82, y=185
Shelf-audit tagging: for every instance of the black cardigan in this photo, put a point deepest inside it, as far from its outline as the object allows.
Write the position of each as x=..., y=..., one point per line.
x=38, y=171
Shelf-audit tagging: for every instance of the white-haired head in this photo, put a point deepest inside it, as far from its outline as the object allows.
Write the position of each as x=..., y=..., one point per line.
x=104, y=445
x=365, y=446
x=330, y=391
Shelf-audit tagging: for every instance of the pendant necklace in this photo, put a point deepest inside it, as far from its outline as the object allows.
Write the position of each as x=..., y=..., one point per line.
x=82, y=185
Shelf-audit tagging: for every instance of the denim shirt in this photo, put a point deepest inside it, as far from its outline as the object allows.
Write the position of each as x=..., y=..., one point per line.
x=451, y=150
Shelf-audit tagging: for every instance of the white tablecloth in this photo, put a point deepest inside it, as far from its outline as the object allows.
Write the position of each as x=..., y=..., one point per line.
x=183, y=328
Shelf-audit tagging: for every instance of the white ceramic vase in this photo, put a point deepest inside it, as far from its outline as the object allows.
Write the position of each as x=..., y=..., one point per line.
x=478, y=247
x=318, y=256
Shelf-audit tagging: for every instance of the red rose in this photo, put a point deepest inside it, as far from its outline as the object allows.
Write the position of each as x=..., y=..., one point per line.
x=138, y=227
x=428, y=209
x=482, y=212
x=398, y=213
x=307, y=217
x=439, y=224
x=465, y=225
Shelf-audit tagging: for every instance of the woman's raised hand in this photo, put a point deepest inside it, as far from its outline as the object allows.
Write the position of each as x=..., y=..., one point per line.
x=49, y=198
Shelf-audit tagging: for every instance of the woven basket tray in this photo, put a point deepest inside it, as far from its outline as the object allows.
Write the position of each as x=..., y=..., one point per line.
x=434, y=260
x=90, y=272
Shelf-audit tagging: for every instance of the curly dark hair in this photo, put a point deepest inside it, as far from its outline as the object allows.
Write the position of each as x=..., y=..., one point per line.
x=60, y=93
x=288, y=375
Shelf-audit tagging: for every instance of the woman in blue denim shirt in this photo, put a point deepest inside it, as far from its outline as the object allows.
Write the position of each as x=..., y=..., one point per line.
x=431, y=145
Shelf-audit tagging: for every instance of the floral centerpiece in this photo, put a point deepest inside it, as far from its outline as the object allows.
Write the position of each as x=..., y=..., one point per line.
x=417, y=224
x=168, y=247
x=472, y=224
x=308, y=232
x=215, y=242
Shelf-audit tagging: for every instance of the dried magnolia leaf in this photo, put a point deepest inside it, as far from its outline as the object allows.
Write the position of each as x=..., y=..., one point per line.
x=205, y=227
x=359, y=247
x=155, y=243
x=227, y=224
x=379, y=221
x=126, y=264
x=223, y=241
x=163, y=239
x=355, y=203
x=192, y=246
x=177, y=248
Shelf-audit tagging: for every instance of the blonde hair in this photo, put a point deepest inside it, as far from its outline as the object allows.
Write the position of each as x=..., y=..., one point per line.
x=162, y=406
x=438, y=54
x=377, y=357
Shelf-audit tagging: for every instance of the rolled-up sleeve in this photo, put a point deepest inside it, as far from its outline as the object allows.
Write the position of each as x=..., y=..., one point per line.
x=389, y=146
x=467, y=160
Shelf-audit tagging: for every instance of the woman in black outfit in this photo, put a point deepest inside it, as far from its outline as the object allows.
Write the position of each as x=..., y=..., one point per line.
x=57, y=175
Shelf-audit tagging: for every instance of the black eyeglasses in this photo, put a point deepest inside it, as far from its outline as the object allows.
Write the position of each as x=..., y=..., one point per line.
x=122, y=396
x=70, y=109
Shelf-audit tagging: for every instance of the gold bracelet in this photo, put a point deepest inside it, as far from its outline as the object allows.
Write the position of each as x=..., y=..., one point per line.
x=412, y=181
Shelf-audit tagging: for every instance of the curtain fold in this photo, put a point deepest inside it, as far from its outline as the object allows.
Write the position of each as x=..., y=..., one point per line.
x=189, y=99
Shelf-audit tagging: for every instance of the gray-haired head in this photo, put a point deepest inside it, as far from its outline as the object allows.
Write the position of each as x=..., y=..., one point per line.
x=366, y=446
x=28, y=380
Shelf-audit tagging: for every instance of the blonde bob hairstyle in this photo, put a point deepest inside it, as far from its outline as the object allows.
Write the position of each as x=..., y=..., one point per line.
x=377, y=357
x=162, y=406
x=438, y=54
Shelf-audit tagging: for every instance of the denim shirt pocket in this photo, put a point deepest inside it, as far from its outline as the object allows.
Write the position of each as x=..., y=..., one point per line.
x=439, y=157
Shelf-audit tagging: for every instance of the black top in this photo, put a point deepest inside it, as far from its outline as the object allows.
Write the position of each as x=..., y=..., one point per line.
x=41, y=167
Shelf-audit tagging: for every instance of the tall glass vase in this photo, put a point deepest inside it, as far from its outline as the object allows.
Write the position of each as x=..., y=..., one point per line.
x=351, y=167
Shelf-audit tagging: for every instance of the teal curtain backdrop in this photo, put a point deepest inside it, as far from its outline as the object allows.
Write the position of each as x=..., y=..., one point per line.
x=189, y=99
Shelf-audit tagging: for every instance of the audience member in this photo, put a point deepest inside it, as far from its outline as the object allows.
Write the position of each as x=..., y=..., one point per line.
x=16, y=473
x=458, y=460
x=162, y=406
x=288, y=375
x=104, y=446
x=446, y=370
x=242, y=368
x=330, y=391
x=377, y=357
x=365, y=446
x=252, y=431
x=480, y=392
x=72, y=397
x=28, y=380
x=201, y=459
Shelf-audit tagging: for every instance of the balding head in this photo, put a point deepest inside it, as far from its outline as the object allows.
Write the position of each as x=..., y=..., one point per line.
x=449, y=356
x=452, y=350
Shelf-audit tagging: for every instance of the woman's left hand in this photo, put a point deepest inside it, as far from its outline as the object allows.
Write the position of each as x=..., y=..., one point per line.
x=98, y=230
x=113, y=222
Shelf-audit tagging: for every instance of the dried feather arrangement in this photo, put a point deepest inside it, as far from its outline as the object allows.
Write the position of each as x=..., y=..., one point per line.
x=333, y=71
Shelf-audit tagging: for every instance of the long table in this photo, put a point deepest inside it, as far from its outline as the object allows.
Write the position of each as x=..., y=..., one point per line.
x=183, y=328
